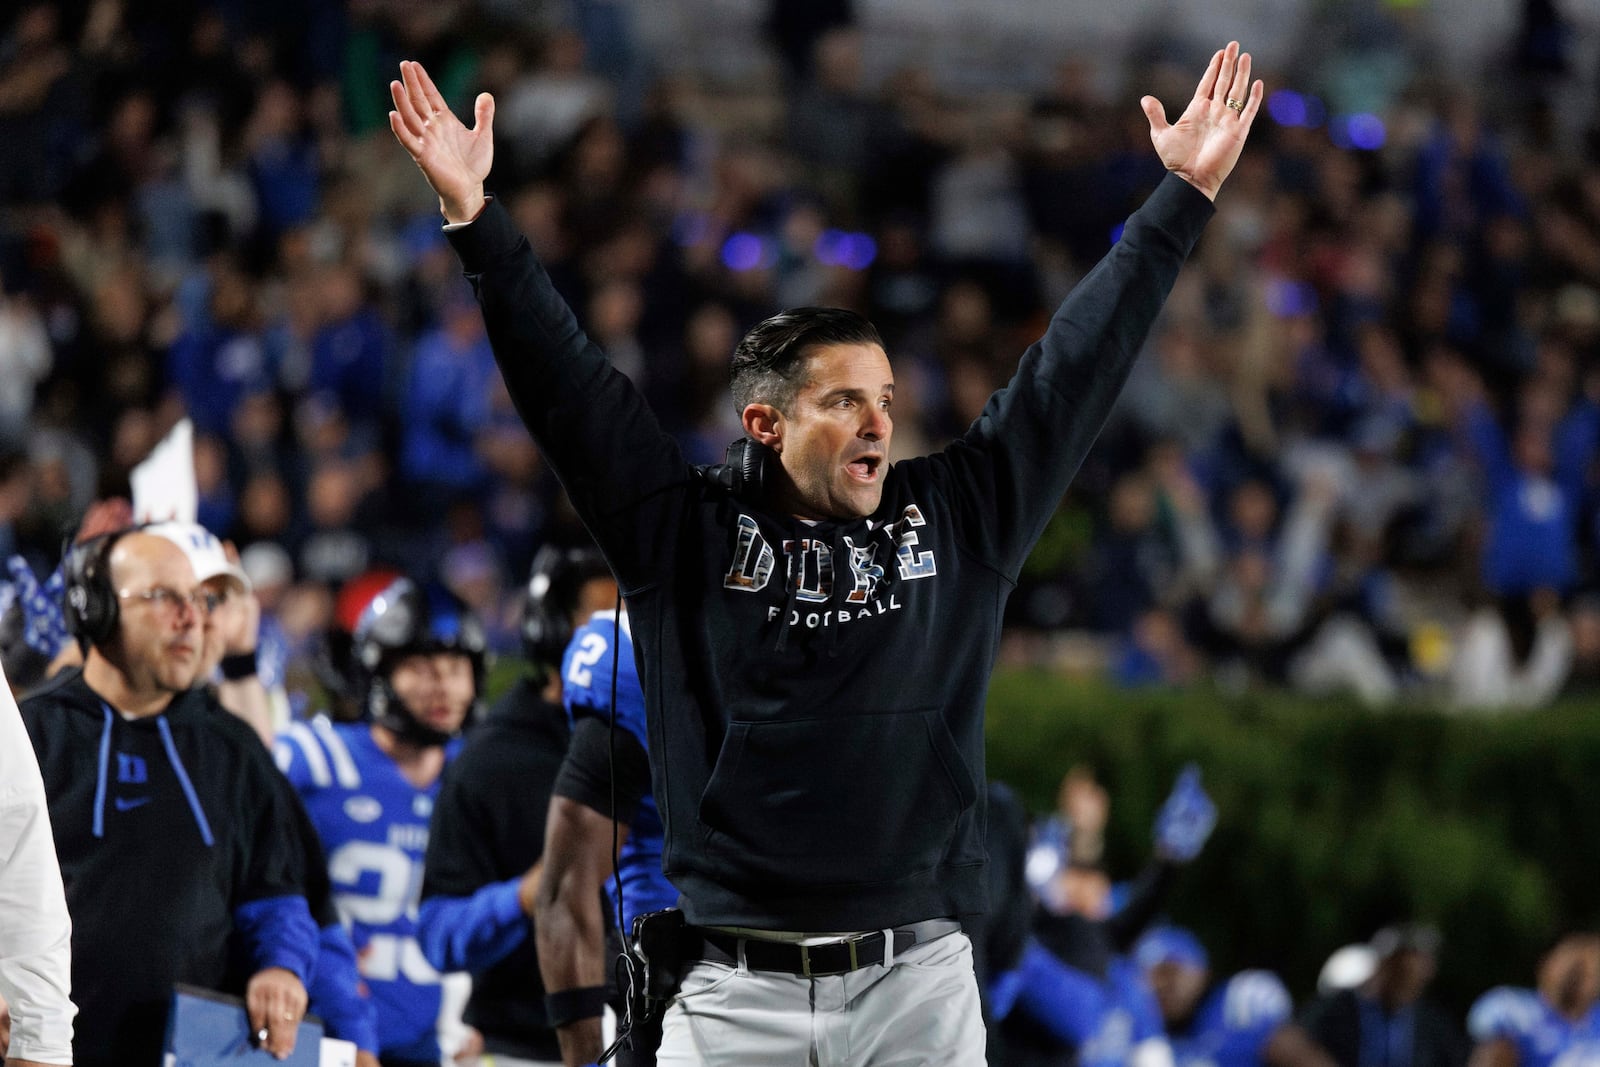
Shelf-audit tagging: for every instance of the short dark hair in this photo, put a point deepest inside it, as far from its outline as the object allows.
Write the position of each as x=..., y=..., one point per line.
x=769, y=364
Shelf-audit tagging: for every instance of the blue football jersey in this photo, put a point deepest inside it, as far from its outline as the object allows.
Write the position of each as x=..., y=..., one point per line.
x=586, y=690
x=1234, y=1022
x=1130, y=1016
x=374, y=829
x=1542, y=1036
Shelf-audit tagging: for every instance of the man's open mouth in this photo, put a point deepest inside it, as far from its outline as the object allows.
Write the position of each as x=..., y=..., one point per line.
x=864, y=467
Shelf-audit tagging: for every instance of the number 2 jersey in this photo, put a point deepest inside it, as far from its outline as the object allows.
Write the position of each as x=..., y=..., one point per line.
x=374, y=829
x=586, y=688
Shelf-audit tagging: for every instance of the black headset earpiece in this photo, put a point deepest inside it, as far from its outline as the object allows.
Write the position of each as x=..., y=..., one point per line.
x=546, y=629
x=747, y=469
x=90, y=607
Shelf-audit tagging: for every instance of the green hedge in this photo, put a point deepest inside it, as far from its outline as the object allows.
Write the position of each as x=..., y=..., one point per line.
x=1335, y=820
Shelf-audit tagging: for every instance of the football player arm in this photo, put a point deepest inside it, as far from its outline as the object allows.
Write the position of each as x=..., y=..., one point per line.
x=473, y=933
x=570, y=922
x=1291, y=1046
x=471, y=917
x=1065, y=1001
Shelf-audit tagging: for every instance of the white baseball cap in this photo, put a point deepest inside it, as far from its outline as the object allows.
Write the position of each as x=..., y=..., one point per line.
x=205, y=552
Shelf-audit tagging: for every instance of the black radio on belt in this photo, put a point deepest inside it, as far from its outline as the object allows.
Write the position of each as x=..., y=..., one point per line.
x=658, y=945
x=649, y=971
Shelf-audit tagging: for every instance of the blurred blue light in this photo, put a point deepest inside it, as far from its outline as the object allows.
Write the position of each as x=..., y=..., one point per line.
x=841, y=248
x=1287, y=299
x=1287, y=108
x=742, y=251
x=1116, y=232
x=859, y=251
x=1316, y=112
x=829, y=248
x=1365, y=131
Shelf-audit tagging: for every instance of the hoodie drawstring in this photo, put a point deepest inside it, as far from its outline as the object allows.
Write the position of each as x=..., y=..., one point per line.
x=100, y=782
x=183, y=780
x=794, y=576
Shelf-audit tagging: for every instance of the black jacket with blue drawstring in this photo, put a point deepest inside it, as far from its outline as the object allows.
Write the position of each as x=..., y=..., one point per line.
x=816, y=691
x=180, y=859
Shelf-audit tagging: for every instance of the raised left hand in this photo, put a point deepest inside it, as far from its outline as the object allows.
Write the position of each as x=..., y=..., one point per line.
x=276, y=1002
x=1205, y=142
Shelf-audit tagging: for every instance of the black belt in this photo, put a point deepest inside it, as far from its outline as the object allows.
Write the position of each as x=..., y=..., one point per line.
x=813, y=961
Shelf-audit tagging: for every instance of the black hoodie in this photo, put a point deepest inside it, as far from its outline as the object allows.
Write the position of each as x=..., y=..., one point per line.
x=172, y=836
x=816, y=741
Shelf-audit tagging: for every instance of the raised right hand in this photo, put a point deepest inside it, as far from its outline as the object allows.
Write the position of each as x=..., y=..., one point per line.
x=454, y=159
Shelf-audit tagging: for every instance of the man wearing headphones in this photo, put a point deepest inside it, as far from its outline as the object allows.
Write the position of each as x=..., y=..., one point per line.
x=370, y=787
x=815, y=628
x=239, y=702
x=172, y=838
x=487, y=848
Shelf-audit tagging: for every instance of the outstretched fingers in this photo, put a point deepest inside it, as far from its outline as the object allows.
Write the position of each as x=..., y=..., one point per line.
x=408, y=140
x=1208, y=80
x=430, y=91
x=1239, y=86
x=1252, y=105
x=405, y=111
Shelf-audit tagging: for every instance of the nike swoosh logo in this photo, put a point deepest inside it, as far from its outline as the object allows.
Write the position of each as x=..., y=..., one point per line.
x=128, y=804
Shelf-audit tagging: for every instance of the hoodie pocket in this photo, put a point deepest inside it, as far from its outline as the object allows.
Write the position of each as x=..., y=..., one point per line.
x=850, y=800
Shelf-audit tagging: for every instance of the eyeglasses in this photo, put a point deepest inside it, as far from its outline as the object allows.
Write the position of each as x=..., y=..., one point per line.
x=167, y=601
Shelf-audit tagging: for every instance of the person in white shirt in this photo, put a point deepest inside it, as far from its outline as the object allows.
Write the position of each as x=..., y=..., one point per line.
x=35, y=930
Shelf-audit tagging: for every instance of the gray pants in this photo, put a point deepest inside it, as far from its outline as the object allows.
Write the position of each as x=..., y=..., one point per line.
x=922, y=1010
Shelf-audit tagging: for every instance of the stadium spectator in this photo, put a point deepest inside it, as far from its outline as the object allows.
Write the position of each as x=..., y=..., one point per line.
x=1389, y=1020
x=1554, y=1021
x=1243, y=1021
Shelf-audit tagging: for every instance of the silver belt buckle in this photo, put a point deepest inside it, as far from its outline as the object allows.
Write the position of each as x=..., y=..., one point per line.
x=849, y=942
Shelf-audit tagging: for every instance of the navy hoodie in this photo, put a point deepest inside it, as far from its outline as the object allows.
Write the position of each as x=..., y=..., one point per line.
x=174, y=840
x=816, y=691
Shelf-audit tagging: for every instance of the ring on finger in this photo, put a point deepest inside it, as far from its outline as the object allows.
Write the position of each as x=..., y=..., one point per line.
x=1237, y=105
x=261, y=1036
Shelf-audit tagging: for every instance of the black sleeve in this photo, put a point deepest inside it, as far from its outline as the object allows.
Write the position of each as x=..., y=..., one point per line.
x=319, y=890
x=275, y=861
x=1008, y=472
x=601, y=438
x=1334, y=1023
x=586, y=774
x=1146, y=897
x=461, y=856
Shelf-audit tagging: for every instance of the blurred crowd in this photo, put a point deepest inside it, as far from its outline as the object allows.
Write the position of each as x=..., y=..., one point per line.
x=1081, y=969
x=1358, y=457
